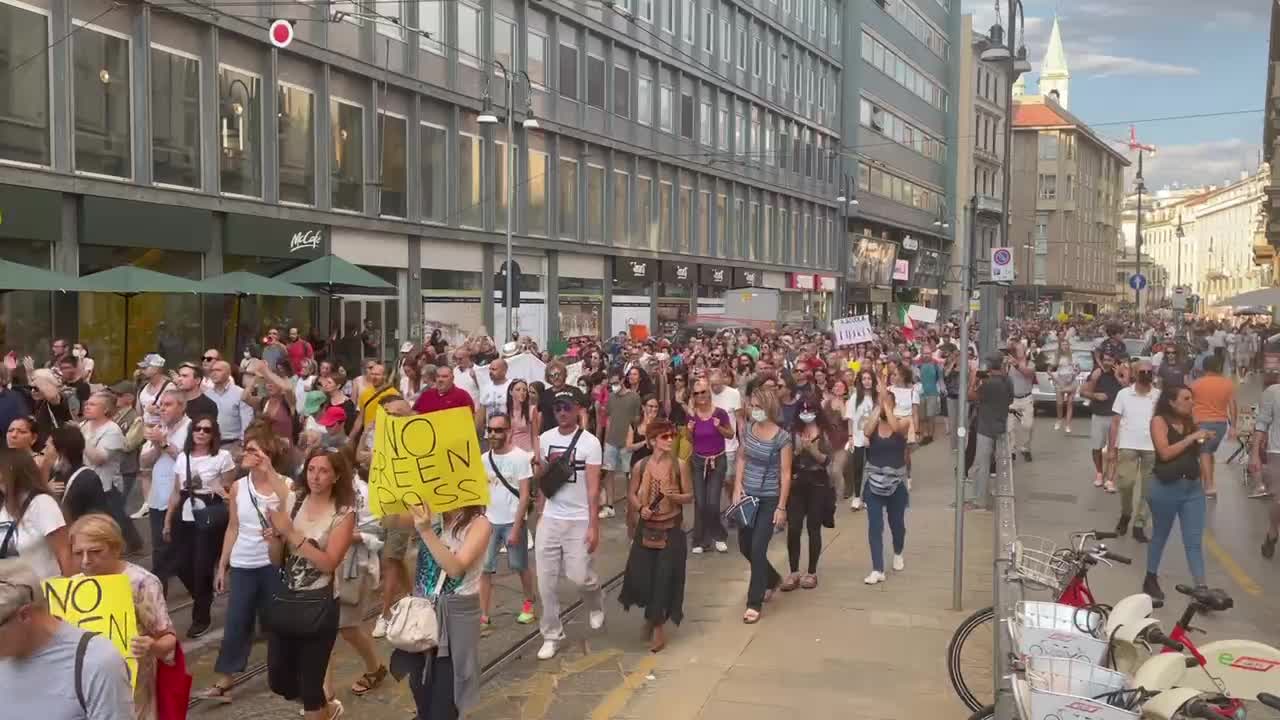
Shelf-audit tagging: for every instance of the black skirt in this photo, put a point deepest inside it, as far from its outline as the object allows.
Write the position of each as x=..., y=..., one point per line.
x=654, y=579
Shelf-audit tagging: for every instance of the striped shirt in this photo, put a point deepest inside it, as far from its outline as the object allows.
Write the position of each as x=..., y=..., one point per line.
x=760, y=476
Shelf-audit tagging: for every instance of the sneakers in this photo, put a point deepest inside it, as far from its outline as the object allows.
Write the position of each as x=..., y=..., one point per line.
x=697, y=550
x=141, y=513
x=1109, y=486
x=380, y=627
x=874, y=578
x=899, y=564
x=595, y=619
x=1122, y=527
x=1139, y=534
x=1057, y=425
x=1258, y=493
x=1269, y=547
x=908, y=483
x=548, y=650
x=606, y=512
x=197, y=629
x=1067, y=429
x=722, y=546
x=526, y=615
x=486, y=626
x=855, y=504
x=1097, y=479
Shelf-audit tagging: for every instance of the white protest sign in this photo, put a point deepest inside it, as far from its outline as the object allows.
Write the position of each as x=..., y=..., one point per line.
x=853, y=330
x=922, y=314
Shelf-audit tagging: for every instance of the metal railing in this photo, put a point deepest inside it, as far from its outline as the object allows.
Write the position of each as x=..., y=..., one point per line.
x=1006, y=592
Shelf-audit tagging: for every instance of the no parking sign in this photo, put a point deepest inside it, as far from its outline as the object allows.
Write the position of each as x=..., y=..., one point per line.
x=1001, y=265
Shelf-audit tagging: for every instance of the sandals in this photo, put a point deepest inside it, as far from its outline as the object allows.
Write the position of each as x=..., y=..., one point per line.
x=751, y=617
x=216, y=693
x=369, y=681
x=808, y=581
x=791, y=582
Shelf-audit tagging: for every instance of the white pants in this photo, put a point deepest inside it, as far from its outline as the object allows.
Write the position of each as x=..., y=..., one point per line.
x=560, y=549
x=1020, y=430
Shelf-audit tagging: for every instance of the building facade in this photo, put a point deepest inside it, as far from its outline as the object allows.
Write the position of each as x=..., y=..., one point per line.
x=699, y=139
x=901, y=78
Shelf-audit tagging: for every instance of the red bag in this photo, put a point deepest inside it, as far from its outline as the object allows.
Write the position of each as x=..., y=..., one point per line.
x=173, y=687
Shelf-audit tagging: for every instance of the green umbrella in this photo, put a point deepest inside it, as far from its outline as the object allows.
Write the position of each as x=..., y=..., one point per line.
x=127, y=281
x=333, y=274
x=16, y=276
x=242, y=284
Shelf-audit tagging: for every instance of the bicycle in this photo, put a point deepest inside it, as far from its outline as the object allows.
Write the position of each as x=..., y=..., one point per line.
x=1038, y=563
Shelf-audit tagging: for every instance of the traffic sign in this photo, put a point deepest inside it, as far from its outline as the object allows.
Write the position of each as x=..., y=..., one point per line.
x=1001, y=265
x=1180, y=298
x=1138, y=281
x=281, y=33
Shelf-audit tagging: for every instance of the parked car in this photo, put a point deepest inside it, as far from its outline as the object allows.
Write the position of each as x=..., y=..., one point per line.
x=1045, y=393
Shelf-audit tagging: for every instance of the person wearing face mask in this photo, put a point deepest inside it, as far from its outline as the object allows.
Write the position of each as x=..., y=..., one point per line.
x=812, y=497
x=1132, y=449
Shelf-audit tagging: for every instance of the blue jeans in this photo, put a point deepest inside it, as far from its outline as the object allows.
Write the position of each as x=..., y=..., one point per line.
x=251, y=590
x=708, y=486
x=753, y=543
x=895, y=506
x=1184, y=500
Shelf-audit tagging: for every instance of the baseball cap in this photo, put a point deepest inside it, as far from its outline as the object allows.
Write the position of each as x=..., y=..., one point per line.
x=333, y=416
x=564, y=396
x=993, y=361
x=152, y=360
x=312, y=402
x=510, y=349
x=19, y=587
x=124, y=387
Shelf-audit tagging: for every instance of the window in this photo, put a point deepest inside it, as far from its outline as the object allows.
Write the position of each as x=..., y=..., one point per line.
x=645, y=10
x=688, y=20
x=568, y=71
x=595, y=82
x=721, y=221
x=394, y=199
x=468, y=34
x=175, y=118
x=785, y=73
x=346, y=120
x=704, y=123
x=537, y=62
x=539, y=164
x=643, y=233
x=595, y=204
x=757, y=57
x=431, y=22
x=771, y=66
x=684, y=220
x=903, y=132
x=504, y=42
x=664, y=216
x=822, y=18
x=739, y=228
x=391, y=23
x=1048, y=187
x=768, y=252
x=101, y=96
x=686, y=116
x=739, y=124
x=296, y=144
x=470, y=203
x=752, y=236
x=702, y=224
x=644, y=100
x=888, y=62
x=742, y=48
x=755, y=131
x=768, y=140
x=239, y=131
x=24, y=91
x=568, y=187
x=725, y=40
x=621, y=91
x=621, y=202
x=433, y=139
x=668, y=16
x=708, y=31
x=1071, y=195
x=722, y=129
x=1048, y=145
x=664, y=108
x=923, y=30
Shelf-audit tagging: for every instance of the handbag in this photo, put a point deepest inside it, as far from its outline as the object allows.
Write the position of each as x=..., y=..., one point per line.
x=414, y=626
x=742, y=514
x=555, y=475
x=300, y=612
x=214, y=513
x=173, y=687
x=13, y=529
x=653, y=532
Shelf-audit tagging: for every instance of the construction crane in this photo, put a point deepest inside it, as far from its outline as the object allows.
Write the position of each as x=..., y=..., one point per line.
x=1133, y=144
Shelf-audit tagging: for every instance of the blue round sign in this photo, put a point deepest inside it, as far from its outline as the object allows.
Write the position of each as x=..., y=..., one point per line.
x=1138, y=281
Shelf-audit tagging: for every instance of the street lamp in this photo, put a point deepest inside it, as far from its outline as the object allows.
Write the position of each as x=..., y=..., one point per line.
x=488, y=117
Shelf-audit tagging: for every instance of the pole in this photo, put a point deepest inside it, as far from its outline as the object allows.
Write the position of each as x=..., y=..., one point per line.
x=1035, y=287
x=992, y=316
x=1137, y=242
x=511, y=191
x=962, y=408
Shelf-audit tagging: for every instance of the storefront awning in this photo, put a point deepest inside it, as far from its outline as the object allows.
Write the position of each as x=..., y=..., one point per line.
x=333, y=275
x=246, y=283
x=128, y=280
x=16, y=276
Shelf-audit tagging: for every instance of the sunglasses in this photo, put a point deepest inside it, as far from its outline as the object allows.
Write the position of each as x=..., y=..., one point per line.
x=700, y=393
x=209, y=358
x=203, y=429
x=667, y=436
x=564, y=407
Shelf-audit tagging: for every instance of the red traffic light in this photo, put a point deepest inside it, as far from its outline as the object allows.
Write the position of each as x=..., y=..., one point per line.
x=281, y=33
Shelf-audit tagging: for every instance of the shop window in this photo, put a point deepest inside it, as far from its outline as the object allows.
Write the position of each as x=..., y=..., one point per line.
x=643, y=230
x=103, y=119
x=567, y=186
x=26, y=318
x=24, y=86
x=433, y=139
x=394, y=153
x=239, y=132
x=470, y=204
x=347, y=176
x=539, y=164
x=595, y=204
x=296, y=151
x=175, y=118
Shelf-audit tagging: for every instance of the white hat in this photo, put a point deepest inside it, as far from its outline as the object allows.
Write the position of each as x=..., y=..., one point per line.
x=510, y=350
x=152, y=360
x=406, y=348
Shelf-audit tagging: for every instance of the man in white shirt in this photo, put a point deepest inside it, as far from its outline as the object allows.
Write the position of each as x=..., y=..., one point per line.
x=464, y=374
x=165, y=442
x=234, y=414
x=569, y=529
x=493, y=395
x=728, y=399
x=1132, y=449
x=510, y=470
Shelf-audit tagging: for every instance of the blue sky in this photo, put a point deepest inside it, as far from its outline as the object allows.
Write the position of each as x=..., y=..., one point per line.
x=1140, y=59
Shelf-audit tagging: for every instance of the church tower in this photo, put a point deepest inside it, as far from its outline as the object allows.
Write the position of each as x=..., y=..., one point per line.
x=1055, y=78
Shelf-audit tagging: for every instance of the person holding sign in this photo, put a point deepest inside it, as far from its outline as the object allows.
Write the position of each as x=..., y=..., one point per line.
x=569, y=530
x=40, y=652
x=97, y=545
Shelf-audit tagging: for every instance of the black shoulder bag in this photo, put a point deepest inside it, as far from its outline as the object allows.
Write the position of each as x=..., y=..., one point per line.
x=13, y=528
x=215, y=514
x=555, y=475
x=300, y=612
x=506, y=484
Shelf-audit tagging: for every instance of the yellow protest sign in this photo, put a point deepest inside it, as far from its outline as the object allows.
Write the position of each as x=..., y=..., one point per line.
x=432, y=459
x=102, y=605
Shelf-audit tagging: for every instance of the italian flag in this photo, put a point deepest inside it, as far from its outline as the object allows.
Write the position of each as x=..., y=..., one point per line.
x=908, y=326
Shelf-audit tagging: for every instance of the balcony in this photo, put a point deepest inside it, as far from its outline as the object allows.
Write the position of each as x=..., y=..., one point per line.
x=988, y=205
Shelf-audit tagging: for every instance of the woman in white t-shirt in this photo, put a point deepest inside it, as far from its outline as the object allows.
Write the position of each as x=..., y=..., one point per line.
x=863, y=401
x=197, y=517
x=31, y=523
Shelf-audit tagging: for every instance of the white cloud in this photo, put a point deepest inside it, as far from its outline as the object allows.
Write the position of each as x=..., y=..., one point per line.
x=1104, y=65
x=1205, y=163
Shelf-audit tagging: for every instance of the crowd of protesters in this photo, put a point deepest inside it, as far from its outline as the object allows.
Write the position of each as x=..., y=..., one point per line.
x=251, y=477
